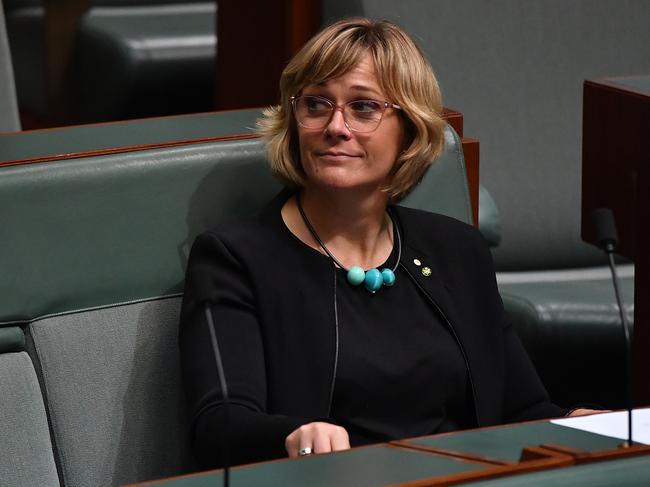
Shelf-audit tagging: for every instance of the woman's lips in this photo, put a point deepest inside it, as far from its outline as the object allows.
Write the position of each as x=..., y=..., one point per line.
x=336, y=155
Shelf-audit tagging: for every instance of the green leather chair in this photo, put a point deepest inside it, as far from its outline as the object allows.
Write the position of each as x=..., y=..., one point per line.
x=568, y=321
x=132, y=59
x=93, y=256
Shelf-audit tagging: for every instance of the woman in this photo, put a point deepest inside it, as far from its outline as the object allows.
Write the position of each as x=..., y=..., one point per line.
x=343, y=319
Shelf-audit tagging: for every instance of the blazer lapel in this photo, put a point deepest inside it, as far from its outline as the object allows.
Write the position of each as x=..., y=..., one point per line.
x=425, y=270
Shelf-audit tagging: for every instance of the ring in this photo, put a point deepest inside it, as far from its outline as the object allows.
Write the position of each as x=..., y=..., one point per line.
x=305, y=451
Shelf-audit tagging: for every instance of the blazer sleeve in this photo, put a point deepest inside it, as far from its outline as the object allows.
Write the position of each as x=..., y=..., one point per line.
x=214, y=275
x=525, y=396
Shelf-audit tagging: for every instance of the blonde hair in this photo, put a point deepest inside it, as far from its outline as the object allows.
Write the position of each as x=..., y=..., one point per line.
x=404, y=75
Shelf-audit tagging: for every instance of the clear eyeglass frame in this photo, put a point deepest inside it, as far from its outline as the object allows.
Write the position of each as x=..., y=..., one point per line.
x=367, y=126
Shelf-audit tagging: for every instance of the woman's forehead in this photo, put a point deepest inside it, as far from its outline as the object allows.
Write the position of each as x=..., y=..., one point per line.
x=360, y=78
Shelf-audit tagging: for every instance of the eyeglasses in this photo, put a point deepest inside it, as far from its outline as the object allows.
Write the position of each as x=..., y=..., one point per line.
x=315, y=112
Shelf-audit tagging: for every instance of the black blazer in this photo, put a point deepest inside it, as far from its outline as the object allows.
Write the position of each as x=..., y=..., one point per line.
x=274, y=312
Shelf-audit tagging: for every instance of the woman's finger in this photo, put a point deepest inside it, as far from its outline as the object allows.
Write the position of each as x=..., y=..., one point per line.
x=340, y=440
x=292, y=444
x=317, y=437
x=321, y=440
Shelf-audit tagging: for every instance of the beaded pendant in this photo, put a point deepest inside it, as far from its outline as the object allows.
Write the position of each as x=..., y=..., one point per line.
x=372, y=279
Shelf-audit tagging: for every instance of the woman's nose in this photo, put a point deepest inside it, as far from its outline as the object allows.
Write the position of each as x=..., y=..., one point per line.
x=337, y=127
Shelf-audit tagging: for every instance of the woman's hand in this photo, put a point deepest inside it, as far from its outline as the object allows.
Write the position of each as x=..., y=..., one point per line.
x=585, y=411
x=320, y=437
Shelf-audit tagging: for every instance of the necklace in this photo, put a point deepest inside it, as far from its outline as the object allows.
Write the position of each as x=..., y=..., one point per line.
x=372, y=279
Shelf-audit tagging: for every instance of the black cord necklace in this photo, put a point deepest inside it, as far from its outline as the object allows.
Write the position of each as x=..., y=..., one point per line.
x=372, y=279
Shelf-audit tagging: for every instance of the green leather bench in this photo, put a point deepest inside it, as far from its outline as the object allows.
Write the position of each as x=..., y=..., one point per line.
x=132, y=58
x=146, y=58
x=569, y=323
x=93, y=256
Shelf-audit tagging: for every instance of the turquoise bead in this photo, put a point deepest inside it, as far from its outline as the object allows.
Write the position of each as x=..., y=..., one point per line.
x=356, y=275
x=388, y=276
x=374, y=280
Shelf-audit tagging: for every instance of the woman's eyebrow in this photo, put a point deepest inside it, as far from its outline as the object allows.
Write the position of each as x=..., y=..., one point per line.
x=365, y=89
x=321, y=90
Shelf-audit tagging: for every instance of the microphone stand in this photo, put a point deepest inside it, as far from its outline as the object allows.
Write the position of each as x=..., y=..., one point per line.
x=628, y=341
x=224, y=393
x=603, y=220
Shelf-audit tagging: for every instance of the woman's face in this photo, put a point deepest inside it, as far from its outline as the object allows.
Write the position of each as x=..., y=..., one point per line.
x=337, y=158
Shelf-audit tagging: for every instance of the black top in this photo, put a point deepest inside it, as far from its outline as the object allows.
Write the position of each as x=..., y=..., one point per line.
x=274, y=313
x=401, y=373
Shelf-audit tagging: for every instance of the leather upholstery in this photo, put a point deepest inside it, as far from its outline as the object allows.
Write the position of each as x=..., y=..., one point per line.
x=26, y=32
x=127, y=135
x=12, y=339
x=146, y=60
x=569, y=323
x=489, y=221
x=135, y=59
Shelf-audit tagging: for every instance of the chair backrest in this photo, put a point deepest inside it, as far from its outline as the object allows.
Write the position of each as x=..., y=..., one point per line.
x=93, y=257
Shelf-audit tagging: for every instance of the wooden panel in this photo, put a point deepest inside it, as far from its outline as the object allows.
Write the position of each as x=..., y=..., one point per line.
x=455, y=119
x=255, y=40
x=616, y=174
x=471, y=151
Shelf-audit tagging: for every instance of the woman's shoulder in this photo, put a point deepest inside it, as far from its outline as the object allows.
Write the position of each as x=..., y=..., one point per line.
x=425, y=223
x=237, y=230
x=256, y=233
x=444, y=236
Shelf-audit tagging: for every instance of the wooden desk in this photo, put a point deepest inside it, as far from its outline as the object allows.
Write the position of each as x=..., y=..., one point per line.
x=535, y=450
x=616, y=174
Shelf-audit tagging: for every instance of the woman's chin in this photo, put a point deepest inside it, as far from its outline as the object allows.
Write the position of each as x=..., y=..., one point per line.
x=346, y=185
x=341, y=178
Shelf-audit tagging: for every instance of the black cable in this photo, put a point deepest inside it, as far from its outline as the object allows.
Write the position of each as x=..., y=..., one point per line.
x=314, y=234
x=224, y=393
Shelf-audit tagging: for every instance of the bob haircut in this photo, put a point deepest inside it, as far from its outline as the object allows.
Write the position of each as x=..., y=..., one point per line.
x=402, y=72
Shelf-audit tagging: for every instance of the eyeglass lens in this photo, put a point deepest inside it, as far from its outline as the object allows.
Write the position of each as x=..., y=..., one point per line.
x=360, y=115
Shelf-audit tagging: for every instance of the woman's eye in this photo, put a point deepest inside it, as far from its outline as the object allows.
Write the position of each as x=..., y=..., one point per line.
x=365, y=106
x=316, y=104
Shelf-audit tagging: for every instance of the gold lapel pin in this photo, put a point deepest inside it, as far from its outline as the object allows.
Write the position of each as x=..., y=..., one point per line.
x=426, y=271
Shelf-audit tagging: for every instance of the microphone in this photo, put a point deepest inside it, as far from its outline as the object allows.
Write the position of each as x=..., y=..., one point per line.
x=605, y=226
x=207, y=301
x=607, y=238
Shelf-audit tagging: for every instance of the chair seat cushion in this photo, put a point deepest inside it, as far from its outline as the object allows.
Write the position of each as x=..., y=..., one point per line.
x=112, y=379
x=26, y=456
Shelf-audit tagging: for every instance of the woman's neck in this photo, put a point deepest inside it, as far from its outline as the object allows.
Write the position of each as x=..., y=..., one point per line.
x=354, y=226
